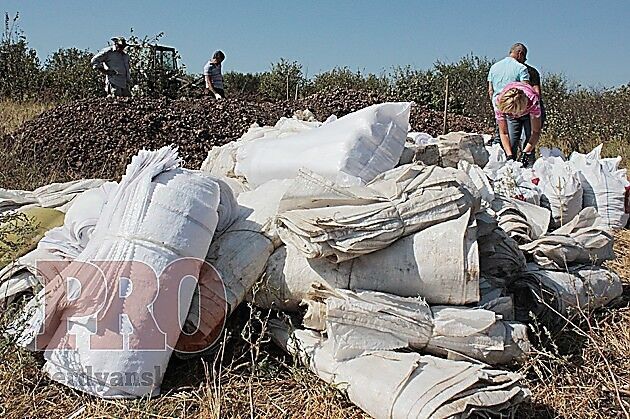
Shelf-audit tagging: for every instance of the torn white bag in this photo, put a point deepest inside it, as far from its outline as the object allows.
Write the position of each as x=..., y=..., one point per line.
x=583, y=240
x=392, y=385
x=351, y=150
x=557, y=296
x=360, y=322
x=323, y=220
x=440, y=264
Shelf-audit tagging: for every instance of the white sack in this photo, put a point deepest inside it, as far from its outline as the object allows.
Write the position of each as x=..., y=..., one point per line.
x=514, y=181
x=360, y=322
x=221, y=160
x=561, y=188
x=324, y=220
x=496, y=160
x=440, y=264
x=549, y=295
x=241, y=252
x=351, y=150
x=583, y=240
x=392, y=385
x=605, y=185
x=158, y=214
x=457, y=146
x=480, y=179
x=55, y=195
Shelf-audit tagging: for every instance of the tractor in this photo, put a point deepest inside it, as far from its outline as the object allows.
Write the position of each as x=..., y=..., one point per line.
x=156, y=72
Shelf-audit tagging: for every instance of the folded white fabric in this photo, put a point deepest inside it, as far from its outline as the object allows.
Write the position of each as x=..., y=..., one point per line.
x=324, y=220
x=555, y=296
x=360, y=322
x=392, y=385
x=55, y=195
x=439, y=263
x=157, y=215
x=352, y=150
x=582, y=240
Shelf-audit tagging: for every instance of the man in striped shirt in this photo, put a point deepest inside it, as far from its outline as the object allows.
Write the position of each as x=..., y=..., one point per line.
x=213, y=76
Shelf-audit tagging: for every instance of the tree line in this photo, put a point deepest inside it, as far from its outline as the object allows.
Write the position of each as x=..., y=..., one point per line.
x=574, y=113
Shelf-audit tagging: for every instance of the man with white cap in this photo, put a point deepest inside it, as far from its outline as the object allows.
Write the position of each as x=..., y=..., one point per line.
x=113, y=62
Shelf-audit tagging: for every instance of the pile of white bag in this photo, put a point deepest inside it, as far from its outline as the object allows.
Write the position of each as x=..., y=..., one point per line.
x=605, y=186
x=439, y=247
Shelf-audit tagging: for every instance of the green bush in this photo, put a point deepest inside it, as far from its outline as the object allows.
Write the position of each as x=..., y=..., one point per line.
x=283, y=80
x=241, y=83
x=583, y=117
x=414, y=85
x=20, y=73
x=468, y=86
x=344, y=78
x=68, y=74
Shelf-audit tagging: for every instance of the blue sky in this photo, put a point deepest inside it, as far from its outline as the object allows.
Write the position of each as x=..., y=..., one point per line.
x=588, y=41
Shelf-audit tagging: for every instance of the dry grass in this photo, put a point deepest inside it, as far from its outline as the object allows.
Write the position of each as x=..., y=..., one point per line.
x=246, y=377
x=13, y=114
x=585, y=372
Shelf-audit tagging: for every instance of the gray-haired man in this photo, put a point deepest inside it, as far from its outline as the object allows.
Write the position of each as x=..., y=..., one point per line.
x=113, y=62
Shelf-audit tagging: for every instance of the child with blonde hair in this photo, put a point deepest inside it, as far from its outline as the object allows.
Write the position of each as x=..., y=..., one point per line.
x=521, y=104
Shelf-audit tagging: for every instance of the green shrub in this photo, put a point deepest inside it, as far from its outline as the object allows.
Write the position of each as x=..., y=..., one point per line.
x=415, y=85
x=283, y=80
x=68, y=74
x=20, y=73
x=344, y=78
x=241, y=83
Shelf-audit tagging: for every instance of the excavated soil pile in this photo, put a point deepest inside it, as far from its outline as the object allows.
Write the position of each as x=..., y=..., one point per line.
x=96, y=137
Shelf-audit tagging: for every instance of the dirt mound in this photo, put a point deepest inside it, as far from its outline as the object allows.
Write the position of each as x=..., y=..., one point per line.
x=96, y=137
x=423, y=119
